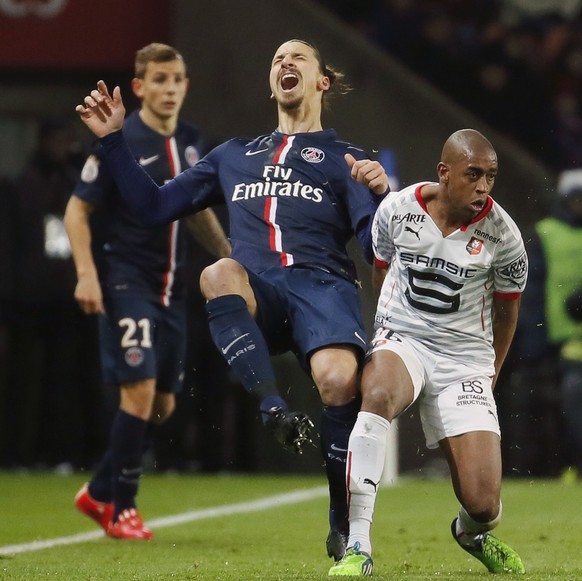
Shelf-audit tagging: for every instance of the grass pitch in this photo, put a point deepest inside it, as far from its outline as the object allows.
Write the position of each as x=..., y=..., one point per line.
x=248, y=527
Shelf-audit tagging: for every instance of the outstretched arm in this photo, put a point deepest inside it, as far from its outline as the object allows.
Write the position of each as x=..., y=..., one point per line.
x=368, y=172
x=102, y=113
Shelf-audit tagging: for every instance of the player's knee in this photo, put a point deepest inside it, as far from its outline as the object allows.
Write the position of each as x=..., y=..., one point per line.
x=220, y=278
x=380, y=400
x=137, y=398
x=335, y=372
x=336, y=385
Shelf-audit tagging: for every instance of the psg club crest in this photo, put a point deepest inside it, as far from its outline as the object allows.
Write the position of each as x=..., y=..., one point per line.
x=192, y=156
x=312, y=154
x=90, y=170
x=134, y=357
x=475, y=246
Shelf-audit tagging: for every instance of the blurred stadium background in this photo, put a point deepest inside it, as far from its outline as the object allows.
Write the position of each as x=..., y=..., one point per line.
x=53, y=51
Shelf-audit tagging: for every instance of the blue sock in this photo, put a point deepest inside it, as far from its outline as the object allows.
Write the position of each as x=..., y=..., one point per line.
x=148, y=436
x=337, y=423
x=241, y=342
x=100, y=487
x=126, y=449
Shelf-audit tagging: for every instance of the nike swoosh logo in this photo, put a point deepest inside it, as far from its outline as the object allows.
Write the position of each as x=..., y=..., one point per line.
x=233, y=342
x=360, y=338
x=336, y=449
x=148, y=160
x=249, y=153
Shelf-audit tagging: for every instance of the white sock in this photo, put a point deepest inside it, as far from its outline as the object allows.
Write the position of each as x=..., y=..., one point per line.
x=366, y=455
x=468, y=529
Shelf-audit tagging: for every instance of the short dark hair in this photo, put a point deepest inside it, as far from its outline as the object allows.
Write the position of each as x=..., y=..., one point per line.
x=156, y=52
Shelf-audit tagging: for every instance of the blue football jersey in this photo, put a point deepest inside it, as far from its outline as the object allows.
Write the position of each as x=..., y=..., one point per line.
x=131, y=257
x=291, y=199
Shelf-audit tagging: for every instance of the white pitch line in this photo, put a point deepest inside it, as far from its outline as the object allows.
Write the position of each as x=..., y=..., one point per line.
x=167, y=521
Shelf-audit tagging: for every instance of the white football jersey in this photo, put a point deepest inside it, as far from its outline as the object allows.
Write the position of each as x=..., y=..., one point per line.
x=439, y=290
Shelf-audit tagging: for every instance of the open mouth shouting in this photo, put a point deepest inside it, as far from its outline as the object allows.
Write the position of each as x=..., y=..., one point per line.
x=289, y=81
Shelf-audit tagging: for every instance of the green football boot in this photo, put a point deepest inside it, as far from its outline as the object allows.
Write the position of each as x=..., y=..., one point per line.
x=493, y=553
x=354, y=563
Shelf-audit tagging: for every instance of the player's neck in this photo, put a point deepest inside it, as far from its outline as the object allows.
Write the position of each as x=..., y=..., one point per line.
x=163, y=125
x=300, y=120
x=447, y=221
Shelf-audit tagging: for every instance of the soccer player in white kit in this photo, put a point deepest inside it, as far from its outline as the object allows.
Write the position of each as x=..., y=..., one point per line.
x=452, y=266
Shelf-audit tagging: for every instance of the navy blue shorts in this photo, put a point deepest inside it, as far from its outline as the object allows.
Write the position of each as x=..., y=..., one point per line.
x=302, y=309
x=141, y=339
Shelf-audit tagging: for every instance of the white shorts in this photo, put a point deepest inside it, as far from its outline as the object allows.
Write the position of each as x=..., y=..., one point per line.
x=454, y=398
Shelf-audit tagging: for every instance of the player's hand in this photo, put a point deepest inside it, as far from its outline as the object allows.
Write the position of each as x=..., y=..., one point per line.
x=368, y=172
x=89, y=296
x=102, y=113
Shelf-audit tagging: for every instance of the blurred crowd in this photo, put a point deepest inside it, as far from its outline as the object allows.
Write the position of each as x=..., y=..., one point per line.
x=517, y=64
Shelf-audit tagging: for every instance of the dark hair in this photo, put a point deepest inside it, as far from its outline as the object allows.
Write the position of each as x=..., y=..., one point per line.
x=336, y=78
x=155, y=52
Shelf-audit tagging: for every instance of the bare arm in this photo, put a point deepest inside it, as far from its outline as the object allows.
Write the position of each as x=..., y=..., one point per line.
x=378, y=276
x=505, y=313
x=206, y=229
x=368, y=172
x=88, y=290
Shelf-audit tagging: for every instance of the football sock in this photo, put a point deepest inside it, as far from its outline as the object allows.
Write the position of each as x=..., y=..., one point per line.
x=336, y=424
x=239, y=339
x=270, y=402
x=126, y=448
x=148, y=436
x=467, y=528
x=366, y=456
x=100, y=487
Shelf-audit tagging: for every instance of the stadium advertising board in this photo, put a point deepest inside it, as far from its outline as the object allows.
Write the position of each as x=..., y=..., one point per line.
x=78, y=34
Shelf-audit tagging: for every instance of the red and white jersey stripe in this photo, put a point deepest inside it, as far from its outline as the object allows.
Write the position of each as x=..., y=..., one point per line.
x=169, y=275
x=275, y=236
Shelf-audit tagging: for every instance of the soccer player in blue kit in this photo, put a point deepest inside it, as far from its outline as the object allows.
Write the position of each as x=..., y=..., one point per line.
x=131, y=276
x=295, y=198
